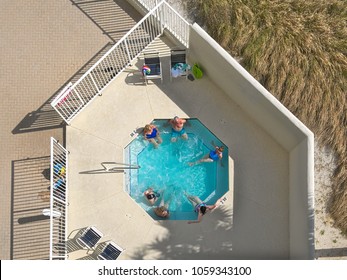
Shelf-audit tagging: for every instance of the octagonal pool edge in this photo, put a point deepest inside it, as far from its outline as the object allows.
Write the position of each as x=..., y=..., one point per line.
x=197, y=131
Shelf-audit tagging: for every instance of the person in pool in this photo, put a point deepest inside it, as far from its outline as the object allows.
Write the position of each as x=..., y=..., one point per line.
x=200, y=207
x=162, y=210
x=178, y=129
x=151, y=195
x=213, y=155
x=151, y=134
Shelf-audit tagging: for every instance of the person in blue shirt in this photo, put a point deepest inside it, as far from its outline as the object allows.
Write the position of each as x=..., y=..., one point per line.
x=213, y=155
x=151, y=134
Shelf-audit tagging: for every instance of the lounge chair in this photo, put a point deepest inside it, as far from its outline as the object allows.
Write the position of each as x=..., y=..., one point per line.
x=110, y=252
x=89, y=237
x=178, y=64
x=152, y=67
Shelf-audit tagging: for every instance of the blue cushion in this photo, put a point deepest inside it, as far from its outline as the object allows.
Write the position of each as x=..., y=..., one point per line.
x=90, y=238
x=110, y=252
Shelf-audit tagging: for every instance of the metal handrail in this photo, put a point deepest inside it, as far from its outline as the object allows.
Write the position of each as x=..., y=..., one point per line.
x=117, y=44
x=74, y=98
x=58, y=200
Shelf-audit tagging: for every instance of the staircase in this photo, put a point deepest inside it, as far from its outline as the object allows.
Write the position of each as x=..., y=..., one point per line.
x=75, y=97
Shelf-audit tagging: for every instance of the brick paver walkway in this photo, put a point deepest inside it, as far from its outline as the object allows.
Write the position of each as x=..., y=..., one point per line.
x=43, y=45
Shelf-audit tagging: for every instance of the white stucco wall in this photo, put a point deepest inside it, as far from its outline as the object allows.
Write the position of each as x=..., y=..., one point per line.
x=301, y=200
x=277, y=121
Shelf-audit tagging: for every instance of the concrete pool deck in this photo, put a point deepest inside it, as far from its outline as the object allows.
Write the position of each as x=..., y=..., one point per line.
x=253, y=223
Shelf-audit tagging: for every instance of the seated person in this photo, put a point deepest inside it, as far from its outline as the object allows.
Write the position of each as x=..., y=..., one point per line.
x=178, y=129
x=151, y=134
x=151, y=195
x=162, y=210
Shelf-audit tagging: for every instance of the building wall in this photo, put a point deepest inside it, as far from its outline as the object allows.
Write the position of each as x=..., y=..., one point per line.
x=277, y=121
x=301, y=200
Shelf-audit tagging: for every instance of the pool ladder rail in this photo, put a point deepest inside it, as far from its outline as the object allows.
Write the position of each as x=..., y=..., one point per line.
x=119, y=166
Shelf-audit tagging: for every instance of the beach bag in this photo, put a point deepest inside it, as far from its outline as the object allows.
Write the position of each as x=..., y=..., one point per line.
x=197, y=72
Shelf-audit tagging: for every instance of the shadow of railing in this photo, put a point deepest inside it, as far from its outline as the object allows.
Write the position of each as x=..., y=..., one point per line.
x=113, y=17
x=30, y=230
x=111, y=167
x=45, y=117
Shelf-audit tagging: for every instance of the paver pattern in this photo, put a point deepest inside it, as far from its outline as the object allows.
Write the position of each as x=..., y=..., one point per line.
x=44, y=45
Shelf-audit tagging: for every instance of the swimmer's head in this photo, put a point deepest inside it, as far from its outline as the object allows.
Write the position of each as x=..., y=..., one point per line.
x=221, y=148
x=147, y=127
x=203, y=209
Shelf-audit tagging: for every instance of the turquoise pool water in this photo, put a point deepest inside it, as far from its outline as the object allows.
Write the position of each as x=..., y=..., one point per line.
x=167, y=171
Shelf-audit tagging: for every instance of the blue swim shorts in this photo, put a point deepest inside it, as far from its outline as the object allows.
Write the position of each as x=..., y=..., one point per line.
x=178, y=133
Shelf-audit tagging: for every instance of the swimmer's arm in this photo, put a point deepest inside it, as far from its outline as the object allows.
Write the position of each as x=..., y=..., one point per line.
x=144, y=135
x=211, y=207
x=197, y=221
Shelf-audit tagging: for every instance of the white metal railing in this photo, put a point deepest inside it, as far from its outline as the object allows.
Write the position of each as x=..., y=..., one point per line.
x=58, y=201
x=74, y=97
x=174, y=23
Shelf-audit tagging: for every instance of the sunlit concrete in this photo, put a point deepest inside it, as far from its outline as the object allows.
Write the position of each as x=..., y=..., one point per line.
x=252, y=224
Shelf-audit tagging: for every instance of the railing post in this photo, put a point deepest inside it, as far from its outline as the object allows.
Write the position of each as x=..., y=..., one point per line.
x=51, y=203
x=58, y=200
x=95, y=84
x=127, y=49
x=161, y=16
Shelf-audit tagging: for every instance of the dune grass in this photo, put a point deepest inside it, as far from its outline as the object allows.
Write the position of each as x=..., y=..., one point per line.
x=298, y=51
